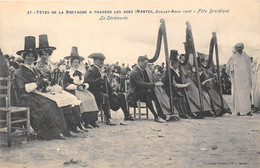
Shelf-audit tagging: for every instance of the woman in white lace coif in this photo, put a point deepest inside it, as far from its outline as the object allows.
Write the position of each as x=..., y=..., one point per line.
x=74, y=82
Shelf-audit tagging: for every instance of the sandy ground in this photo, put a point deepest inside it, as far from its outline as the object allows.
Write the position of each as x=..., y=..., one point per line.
x=228, y=141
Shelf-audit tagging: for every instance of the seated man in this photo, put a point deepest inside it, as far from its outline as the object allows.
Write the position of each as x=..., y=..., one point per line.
x=99, y=87
x=141, y=88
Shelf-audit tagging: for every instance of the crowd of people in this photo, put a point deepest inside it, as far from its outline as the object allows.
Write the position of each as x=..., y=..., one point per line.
x=66, y=97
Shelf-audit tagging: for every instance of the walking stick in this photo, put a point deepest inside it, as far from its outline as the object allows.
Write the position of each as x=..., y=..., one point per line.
x=106, y=84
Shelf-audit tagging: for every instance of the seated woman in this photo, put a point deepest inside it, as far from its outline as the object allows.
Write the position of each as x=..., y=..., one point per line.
x=210, y=85
x=178, y=86
x=47, y=119
x=205, y=96
x=74, y=82
x=193, y=100
x=43, y=68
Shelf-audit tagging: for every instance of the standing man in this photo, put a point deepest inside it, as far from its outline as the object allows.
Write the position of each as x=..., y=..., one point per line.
x=256, y=84
x=239, y=69
x=141, y=88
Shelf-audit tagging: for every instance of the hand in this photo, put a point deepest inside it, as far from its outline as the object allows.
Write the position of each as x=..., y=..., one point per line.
x=158, y=84
x=86, y=86
x=187, y=84
x=104, y=76
x=46, y=81
x=49, y=88
x=114, y=93
x=11, y=68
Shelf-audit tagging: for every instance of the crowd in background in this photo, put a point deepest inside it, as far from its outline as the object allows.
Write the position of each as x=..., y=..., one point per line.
x=117, y=71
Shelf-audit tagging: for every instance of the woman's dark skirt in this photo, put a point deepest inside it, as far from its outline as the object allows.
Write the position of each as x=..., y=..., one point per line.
x=47, y=119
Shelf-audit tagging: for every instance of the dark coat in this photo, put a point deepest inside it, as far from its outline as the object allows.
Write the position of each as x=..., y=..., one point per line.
x=178, y=79
x=23, y=76
x=96, y=84
x=139, y=86
x=44, y=113
x=67, y=80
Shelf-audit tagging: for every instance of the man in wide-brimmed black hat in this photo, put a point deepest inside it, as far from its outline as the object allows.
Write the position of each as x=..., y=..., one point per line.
x=97, y=85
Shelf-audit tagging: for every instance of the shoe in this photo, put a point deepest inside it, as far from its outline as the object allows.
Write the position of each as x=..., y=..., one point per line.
x=249, y=113
x=123, y=123
x=81, y=127
x=74, y=129
x=173, y=118
x=129, y=118
x=184, y=116
x=159, y=120
x=221, y=113
x=238, y=114
x=61, y=137
x=163, y=117
x=108, y=122
x=213, y=116
x=229, y=112
x=72, y=136
x=67, y=133
x=193, y=115
x=94, y=124
x=87, y=126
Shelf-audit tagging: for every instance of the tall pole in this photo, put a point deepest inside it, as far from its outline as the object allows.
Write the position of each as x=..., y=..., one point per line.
x=163, y=28
x=218, y=70
x=196, y=64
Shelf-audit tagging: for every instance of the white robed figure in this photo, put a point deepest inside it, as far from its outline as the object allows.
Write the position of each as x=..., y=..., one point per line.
x=239, y=69
x=256, y=83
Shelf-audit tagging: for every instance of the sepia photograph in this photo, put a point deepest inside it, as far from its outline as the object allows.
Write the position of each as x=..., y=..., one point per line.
x=123, y=84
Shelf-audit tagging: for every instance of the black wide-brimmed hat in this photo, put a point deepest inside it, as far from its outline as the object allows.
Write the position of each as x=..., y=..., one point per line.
x=43, y=43
x=97, y=56
x=74, y=54
x=29, y=45
x=114, y=102
x=174, y=56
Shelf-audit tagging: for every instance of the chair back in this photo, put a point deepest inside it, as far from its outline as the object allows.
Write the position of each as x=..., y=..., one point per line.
x=5, y=90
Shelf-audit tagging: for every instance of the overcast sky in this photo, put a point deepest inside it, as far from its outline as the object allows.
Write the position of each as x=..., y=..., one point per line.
x=125, y=40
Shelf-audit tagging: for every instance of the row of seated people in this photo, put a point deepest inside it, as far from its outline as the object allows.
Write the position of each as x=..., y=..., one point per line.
x=54, y=112
x=52, y=116
x=186, y=94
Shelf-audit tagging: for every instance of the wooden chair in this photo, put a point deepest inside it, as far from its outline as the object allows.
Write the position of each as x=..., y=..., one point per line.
x=5, y=86
x=140, y=105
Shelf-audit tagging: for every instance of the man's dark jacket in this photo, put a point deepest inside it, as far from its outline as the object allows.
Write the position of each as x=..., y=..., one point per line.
x=139, y=86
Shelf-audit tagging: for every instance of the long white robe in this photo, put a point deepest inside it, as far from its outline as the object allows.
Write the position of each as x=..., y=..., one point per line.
x=256, y=83
x=239, y=69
